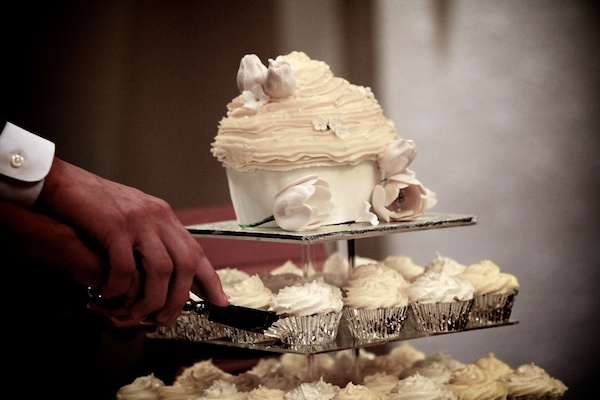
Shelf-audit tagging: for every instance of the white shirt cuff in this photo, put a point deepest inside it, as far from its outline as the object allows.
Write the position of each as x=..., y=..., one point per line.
x=25, y=160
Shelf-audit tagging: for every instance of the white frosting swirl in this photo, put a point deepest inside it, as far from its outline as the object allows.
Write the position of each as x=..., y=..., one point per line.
x=473, y=383
x=325, y=122
x=494, y=367
x=405, y=265
x=487, y=278
x=373, y=286
x=418, y=387
x=444, y=265
x=142, y=388
x=250, y=293
x=433, y=287
x=531, y=380
x=319, y=390
x=358, y=392
x=264, y=393
x=315, y=297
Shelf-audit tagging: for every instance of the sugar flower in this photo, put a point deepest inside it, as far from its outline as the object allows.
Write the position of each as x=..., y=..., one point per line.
x=367, y=216
x=280, y=81
x=402, y=198
x=251, y=73
x=303, y=204
x=397, y=156
x=255, y=98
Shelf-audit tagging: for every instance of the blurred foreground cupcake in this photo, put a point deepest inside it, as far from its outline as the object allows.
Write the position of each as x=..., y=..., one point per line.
x=309, y=314
x=440, y=302
x=494, y=293
x=530, y=382
x=375, y=302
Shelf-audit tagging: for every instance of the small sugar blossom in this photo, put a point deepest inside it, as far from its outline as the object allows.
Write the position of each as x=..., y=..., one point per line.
x=401, y=198
x=322, y=123
x=303, y=204
x=255, y=98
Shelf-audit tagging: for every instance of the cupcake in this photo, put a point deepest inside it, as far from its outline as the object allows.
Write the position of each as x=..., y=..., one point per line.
x=494, y=293
x=143, y=387
x=530, y=382
x=494, y=367
x=358, y=392
x=231, y=276
x=444, y=265
x=420, y=387
x=264, y=393
x=440, y=302
x=380, y=382
x=249, y=293
x=438, y=367
x=318, y=390
x=221, y=390
x=375, y=303
x=201, y=375
x=309, y=314
x=473, y=383
x=404, y=265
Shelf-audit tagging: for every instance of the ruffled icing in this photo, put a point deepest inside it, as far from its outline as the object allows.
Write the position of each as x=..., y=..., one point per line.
x=487, y=278
x=315, y=297
x=434, y=287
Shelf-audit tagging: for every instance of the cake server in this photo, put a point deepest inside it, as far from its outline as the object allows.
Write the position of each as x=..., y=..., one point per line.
x=244, y=318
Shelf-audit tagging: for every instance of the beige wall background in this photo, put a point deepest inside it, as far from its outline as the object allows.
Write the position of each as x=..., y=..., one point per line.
x=500, y=97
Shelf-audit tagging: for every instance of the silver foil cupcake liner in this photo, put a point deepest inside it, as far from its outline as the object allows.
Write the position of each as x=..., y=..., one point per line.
x=193, y=327
x=489, y=309
x=382, y=323
x=440, y=317
x=306, y=330
x=242, y=336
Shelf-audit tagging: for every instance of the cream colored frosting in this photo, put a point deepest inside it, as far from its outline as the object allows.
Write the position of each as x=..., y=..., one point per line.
x=405, y=265
x=250, y=292
x=493, y=366
x=473, y=383
x=358, y=392
x=487, y=278
x=373, y=286
x=221, y=390
x=142, y=388
x=531, y=380
x=318, y=390
x=231, y=276
x=200, y=375
x=280, y=380
x=434, y=287
x=418, y=387
x=438, y=367
x=315, y=297
x=325, y=122
x=264, y=393
x=380, y=382
x=444, y=265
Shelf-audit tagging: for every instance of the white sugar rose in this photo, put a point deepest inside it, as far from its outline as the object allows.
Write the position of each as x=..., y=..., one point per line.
x=397, y=156
x=280, y=81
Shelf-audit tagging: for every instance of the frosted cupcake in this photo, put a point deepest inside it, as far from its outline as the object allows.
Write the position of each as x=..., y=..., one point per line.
x=375, y=303
x=494, y=367
x=438, y=367
x=380, y=382
x=404, y=265
x=231, y=276
x=473, y=383
x=249, y=293
x=358, y=392
x=309, y=314
x=494, y=293
x=444, y=265
x=440, y=302
x=420, y=387
x=318, y=390
x=221, y=390
x=530, y=382
x=143, y=387
x=264, y=393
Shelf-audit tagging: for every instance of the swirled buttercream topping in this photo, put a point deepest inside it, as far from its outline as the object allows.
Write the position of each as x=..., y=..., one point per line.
x=374, y=286
x=326, y=121
x=358, y=392
x=222, y=390
x=531, y=380
x=405, y=265
x=487, y=278
x=380, y=382
x=264, y=393
x=319, y=390
x=437, y=367
x=444, y=265
x=250, y=293
x=142, y=388
x=315, y=297
x=433, y=287
x=418, y=387
x=473, y=383
x=494, y=367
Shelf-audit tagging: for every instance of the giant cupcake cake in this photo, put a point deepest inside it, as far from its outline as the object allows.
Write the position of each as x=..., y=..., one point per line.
x=303, y=148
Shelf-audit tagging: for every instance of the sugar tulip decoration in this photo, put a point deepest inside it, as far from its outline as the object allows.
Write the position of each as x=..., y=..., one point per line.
x=303, y=204
x=401, y=198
